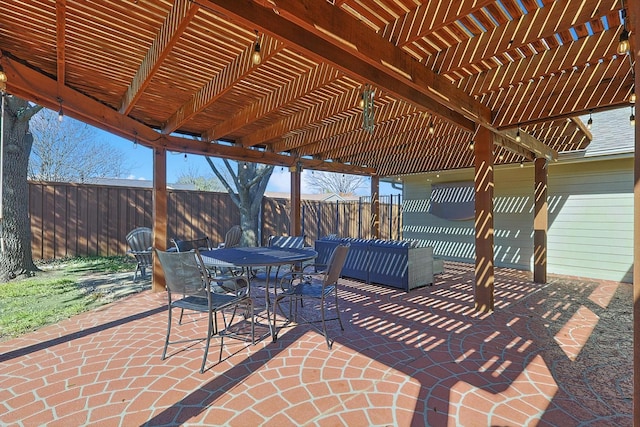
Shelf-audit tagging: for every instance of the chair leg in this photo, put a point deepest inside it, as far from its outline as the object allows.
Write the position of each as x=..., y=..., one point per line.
x=324, y=325
x=206, y=347
x=253, y=325
x=166, y=341
x=338, y=309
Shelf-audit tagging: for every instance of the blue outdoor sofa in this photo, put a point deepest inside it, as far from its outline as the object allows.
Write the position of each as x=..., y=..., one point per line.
x=399, y=264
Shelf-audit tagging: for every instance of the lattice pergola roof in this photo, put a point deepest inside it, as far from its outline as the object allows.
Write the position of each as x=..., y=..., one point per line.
x=179, y=74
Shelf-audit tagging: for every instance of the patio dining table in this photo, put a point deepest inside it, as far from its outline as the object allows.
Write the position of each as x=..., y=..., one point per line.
x=253, y=257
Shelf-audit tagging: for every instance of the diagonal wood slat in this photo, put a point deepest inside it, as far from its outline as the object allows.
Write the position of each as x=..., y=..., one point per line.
x=303, y=85
x=177, y=20
x=541, y=24
x=223, y=82
x=336, y=105
x=61, y=6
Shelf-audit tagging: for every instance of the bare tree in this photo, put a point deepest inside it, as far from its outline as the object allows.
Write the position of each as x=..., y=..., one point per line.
x=191, y=175
x=329, y=182
x=246, y=185
x=15, y=232
x=69, y=151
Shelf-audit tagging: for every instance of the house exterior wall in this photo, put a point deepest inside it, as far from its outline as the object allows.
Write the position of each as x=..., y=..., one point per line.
x=590, y=218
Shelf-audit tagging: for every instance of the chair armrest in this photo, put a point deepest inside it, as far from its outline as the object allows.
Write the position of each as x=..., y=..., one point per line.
x=237, y=285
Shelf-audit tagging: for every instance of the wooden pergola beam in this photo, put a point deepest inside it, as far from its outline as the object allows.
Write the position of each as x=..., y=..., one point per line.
x=307, y=117
x=518, y=33
x=303, y=85
x=428, y=18
x=177, y=21
x=322, y=32
x=375, y=60
x=34, y=86
x=220, y=84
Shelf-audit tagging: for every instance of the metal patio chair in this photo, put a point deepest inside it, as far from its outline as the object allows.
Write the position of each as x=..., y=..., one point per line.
x=202, y=243
x=300, y=286
x=140, y=242
x=189, y=288
x=232, y=238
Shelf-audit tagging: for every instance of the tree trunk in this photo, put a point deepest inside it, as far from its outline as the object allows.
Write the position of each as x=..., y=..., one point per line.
x=15, y=229
x=250, y=180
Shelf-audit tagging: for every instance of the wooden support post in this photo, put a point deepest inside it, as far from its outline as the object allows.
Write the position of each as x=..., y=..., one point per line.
x=159, y=214
x=483, y=183
x=295, y=227
x=540, y=222
x=634, y=16
x=375, y=207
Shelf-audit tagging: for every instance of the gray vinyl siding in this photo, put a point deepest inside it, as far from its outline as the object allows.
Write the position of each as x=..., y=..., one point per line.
x=590, y=219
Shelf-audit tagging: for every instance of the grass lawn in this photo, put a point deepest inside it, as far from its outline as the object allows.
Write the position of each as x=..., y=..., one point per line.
x=56, y=293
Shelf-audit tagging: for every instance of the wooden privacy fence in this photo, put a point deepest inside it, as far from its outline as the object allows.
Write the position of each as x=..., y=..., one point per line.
x=92, y=220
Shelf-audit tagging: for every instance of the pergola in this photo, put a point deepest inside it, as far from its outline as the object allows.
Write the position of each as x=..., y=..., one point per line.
x=382, y=88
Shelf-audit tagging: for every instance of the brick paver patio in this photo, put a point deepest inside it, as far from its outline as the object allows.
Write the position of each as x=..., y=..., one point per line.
x=558, y=354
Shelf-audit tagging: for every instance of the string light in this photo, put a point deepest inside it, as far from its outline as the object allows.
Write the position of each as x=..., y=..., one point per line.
x=256, y=57
x=431, y=129
x=590, y=121
x=623, y=44
x=60, y=112
x=244, y=166
x=471, y=145
x=3, y=81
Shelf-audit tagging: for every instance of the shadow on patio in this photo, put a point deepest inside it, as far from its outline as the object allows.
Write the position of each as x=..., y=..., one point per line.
x=554, y=354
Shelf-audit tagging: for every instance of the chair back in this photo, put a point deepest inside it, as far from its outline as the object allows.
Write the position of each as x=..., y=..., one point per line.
x=233, y=237
x=140, y=239
x=286, y=241
x=188, y=245
x=335, y=264
x=183, y=273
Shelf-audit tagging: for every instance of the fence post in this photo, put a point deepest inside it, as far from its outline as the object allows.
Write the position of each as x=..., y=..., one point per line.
x=359, y=217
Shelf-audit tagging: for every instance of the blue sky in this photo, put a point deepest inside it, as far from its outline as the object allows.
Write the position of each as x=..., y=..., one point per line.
x=140, y=162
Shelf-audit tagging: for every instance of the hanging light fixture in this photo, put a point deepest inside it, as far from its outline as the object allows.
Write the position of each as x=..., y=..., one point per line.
x=518, y=137
x=521, y=163
x=632, y=118
x=256, y=57
x=60, y=112
x=590, y=121
x=623, y=44
x=135, y=139
x=244, y=166
x=632, y=97
x=471, y=145
x=361, y=102
x=431, y=128
x=3, y=81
